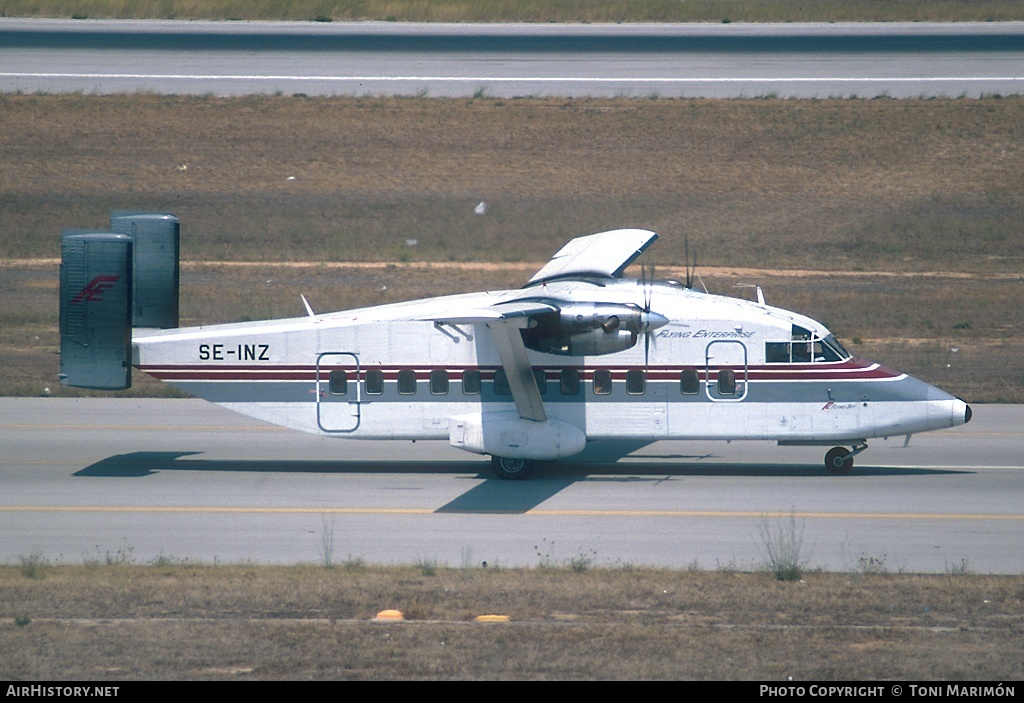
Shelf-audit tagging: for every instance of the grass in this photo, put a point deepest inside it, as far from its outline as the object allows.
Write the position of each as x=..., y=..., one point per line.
x=874, y=196
x=907, y=322
x=541, y=11
x=913, y=185
x=241, y=622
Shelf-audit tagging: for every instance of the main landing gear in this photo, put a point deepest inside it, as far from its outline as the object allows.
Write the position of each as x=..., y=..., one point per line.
x=512, y=469
x=839, y=460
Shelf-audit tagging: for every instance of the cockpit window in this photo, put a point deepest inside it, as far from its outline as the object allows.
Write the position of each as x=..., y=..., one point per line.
x=805, y=347
x=834, y=348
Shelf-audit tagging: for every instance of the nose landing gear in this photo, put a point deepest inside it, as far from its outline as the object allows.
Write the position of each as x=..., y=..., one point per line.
x=839, y=460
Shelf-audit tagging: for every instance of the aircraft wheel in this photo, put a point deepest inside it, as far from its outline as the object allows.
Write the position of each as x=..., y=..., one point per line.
x=838, y=461
x=511, y=469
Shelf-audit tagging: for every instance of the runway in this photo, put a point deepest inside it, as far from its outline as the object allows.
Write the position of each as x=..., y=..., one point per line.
x=505, y=61
x=87, y=480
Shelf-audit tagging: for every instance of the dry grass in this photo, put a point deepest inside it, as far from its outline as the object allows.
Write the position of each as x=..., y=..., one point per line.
x=242, y=623
x=528, y=10
x=834, y=184
x=902, y=187
x=913, y=323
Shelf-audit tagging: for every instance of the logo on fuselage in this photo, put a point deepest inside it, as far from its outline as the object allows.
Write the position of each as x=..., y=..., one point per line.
x=93, y=291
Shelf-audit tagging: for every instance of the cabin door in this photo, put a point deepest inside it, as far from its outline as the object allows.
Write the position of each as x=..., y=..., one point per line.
x=725, y=368
x=338, y=392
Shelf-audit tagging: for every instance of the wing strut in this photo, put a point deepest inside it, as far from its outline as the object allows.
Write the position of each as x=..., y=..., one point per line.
x=504, y=321
x=517, y=367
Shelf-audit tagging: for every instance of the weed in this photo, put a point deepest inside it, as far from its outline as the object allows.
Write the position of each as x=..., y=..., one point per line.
x=22, y=620
x=427, y=566
x=727, y=567
x=582, y=562
x=34, y=565
x=545, y=552
x=166, y=560
x=327, y=542
x=963, y=568
x=872, y=565
x=781, y=544
x=123, y=555
x=354, y=563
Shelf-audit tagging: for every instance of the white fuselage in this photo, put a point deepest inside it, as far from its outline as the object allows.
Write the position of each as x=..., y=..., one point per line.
x=721, y=368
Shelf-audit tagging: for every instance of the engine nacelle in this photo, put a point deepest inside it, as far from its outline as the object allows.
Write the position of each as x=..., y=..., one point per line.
x=608, y=317
x=587, y=329
x=598, y=341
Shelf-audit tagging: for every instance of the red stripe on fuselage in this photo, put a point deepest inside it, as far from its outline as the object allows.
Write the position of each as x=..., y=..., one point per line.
x=851, y=370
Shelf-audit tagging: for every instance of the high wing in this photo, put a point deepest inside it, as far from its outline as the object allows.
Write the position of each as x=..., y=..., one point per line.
x=606, y=254
x=504, y=321
x=493, y=313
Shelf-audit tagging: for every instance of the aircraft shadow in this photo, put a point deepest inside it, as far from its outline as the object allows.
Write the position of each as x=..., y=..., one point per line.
x=492, y=495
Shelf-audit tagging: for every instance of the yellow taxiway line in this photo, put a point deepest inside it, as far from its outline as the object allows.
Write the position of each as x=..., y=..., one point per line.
x=537, y=512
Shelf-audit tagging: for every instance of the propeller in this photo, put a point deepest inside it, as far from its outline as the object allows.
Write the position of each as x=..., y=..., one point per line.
x=649, y=320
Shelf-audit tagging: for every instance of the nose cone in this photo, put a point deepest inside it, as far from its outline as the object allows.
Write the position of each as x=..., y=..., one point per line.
x=652, y=320
x=960, y=413
x=964, y=411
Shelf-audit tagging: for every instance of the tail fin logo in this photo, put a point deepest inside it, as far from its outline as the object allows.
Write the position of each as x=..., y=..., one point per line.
x=93, y=292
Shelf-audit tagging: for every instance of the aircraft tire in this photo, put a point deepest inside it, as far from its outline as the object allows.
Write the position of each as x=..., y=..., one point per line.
x=838, y=461
x=509, y=469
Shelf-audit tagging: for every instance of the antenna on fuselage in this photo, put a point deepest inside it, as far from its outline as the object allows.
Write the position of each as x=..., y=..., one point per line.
x=305, y=302
x=691, y=270
x=686, y=260
x=757, y=290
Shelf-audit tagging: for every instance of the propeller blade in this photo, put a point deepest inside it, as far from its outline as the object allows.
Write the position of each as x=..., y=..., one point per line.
x=650, y=321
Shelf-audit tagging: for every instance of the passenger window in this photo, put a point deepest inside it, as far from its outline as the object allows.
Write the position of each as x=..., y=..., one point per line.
x=471, y=382
x=542, y=380
x=407, y=382
x=602, y=382
x=439, y=382
x=689, y=382
x=374, y=382
x=727, y=382
x=570, y=382
x=636, y=381
x=338, y=382
x=501, y=386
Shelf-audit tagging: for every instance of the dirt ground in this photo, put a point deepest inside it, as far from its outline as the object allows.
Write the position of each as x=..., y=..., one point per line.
x=178, y=621
x=895, y=222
